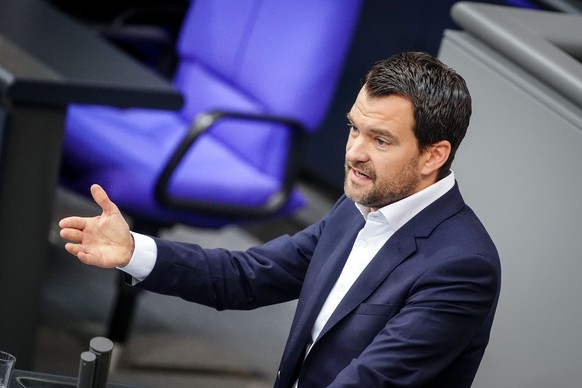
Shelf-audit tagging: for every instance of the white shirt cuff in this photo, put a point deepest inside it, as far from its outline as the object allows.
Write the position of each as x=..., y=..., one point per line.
x=143, y=259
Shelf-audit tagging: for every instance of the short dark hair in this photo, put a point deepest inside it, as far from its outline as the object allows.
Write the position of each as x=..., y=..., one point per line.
x=440, y=98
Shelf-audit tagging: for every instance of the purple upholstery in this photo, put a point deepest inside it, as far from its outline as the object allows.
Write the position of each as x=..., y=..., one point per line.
x=264, y=57
x=522, y=4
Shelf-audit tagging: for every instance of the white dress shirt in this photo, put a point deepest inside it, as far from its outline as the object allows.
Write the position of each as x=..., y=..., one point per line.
x=143, y=259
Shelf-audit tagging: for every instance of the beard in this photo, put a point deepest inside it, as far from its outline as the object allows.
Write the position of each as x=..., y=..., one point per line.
x=385, y=190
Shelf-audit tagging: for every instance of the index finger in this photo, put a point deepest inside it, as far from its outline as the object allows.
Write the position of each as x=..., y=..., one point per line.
x=74, y=222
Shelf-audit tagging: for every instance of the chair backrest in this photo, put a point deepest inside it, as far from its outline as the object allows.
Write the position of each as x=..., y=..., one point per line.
x=283, y=57
x=280, y=58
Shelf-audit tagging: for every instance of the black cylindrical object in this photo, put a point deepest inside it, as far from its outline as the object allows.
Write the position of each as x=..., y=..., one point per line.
x=102, y=348
x=86, y=370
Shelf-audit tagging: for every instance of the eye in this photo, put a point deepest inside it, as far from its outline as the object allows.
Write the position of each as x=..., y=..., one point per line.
x=382, y=142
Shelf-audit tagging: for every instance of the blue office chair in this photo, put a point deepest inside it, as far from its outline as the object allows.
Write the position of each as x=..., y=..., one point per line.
x=257, y=76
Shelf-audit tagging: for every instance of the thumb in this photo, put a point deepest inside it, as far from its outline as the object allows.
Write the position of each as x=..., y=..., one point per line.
x=102, y=199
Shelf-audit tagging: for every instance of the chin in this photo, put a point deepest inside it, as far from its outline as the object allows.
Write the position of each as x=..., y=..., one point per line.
x=355, y=195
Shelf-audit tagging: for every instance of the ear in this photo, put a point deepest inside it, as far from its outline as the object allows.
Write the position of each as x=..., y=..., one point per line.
x=435, y=156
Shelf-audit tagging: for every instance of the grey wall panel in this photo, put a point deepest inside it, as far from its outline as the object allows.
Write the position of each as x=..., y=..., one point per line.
x=520, y=169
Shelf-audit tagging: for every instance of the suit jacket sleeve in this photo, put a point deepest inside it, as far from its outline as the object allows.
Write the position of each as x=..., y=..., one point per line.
x=263, y=275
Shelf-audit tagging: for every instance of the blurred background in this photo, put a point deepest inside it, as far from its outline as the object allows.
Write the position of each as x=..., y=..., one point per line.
x=172, y=343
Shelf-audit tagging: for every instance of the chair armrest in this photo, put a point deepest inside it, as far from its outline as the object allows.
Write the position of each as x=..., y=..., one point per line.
x=202, y=124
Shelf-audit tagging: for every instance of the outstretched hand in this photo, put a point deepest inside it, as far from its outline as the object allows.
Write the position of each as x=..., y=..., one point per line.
x=103, y=241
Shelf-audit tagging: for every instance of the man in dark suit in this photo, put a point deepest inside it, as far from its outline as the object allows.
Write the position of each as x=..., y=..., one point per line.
x=397, y=286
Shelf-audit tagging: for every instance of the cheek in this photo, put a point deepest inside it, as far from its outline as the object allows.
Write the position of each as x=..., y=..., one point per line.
x=389, y=168
x=385, y=165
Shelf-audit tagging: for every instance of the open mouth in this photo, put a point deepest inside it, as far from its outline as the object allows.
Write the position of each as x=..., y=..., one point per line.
x=361, y=175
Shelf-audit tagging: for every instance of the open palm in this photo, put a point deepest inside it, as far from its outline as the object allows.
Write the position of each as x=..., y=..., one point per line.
x=103, y=241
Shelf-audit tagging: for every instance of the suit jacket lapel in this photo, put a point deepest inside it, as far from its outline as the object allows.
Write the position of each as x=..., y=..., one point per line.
x=327, y=272
x=327, y=263
x=399, y=247
x=389, y=257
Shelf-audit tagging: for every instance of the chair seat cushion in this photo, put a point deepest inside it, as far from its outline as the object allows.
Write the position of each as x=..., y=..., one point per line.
x=128, y=160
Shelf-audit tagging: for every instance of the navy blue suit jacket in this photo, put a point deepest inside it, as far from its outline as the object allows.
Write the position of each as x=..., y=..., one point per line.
x=418, y=316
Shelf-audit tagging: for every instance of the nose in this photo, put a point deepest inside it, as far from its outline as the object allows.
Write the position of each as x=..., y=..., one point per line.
x=356, y=150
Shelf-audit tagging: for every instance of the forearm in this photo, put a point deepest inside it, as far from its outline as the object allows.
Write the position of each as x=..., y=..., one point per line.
x=263, y=275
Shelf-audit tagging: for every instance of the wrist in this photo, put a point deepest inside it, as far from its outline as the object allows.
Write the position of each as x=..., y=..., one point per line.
x=130, y=249
x=143, y=258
